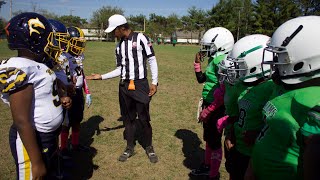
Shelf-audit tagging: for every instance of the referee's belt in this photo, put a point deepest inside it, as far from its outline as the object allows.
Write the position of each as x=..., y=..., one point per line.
x=131, y=86
x=128, y=80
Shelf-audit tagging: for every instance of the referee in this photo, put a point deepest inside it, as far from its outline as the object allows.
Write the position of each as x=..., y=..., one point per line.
x=132, y=53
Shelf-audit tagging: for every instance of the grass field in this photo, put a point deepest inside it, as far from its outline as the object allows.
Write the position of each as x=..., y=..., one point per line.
x=177, y=137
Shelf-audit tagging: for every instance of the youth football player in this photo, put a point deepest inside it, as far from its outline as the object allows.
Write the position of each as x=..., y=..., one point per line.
x=30, y=89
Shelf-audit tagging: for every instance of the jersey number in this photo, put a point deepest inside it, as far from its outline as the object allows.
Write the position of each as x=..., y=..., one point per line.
x=242, y=117
x=56, y=100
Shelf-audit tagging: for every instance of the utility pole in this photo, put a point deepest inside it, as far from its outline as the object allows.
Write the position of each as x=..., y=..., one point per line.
x=10, y=9
x=238, y=31
x=34, y=6
x=71, y=10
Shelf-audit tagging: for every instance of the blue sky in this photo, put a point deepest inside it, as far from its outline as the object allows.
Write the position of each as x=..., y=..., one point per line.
x=85, y=8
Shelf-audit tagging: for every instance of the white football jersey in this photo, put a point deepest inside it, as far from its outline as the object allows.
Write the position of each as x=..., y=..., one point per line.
x=79, y=71
x=46, y=105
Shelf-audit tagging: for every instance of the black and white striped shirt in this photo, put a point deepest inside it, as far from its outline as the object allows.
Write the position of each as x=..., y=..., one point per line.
x=132, y=54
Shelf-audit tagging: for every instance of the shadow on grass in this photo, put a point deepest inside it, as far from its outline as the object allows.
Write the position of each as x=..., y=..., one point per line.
x=81, y=165
x=193, y=153
x=191, y=149
x=112, y=128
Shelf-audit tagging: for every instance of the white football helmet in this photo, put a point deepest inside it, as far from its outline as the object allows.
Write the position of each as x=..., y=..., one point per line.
x=295, y=48
x=216, y=41
x=247, y=54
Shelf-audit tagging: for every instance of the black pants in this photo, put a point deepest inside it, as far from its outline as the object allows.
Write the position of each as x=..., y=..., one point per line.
x=238, y=164
x=77, y=108
x=135, y=103
x=210, y=132
x=48, y=145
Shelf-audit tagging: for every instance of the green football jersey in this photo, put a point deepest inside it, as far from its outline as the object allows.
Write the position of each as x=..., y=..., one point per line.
x=289, y=117
x=251, y=102
x=212, y=81
x=231, y=95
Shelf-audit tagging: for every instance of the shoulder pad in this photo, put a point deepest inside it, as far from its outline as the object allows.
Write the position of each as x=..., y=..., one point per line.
x=11, y=78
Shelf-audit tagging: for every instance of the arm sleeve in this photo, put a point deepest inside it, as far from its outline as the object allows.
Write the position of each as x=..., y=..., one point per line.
x=201, y=77
x=112, y=74
x=85, y=84
x=154, y=69
x=218, y=95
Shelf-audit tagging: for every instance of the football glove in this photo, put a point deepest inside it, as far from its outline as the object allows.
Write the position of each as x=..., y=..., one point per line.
x=88, y=100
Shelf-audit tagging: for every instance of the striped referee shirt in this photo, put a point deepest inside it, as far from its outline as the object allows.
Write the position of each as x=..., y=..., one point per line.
x=132, y=53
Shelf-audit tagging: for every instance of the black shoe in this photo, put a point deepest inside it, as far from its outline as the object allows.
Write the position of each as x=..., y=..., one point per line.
x=65, y=154
x=203, y=170
x=126, y=154
x=151, y=154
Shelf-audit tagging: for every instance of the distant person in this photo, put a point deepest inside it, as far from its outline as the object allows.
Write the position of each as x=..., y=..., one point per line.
x=174, y=42
x=30, y=88
x=132, y=53
x=174, y=39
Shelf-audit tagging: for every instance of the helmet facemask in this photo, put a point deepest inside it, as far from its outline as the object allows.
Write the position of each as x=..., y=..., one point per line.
x=277, y=53
x=77, y=45
x=63, y=40
x=208, y=50
x=52, y=48
x=227, y=72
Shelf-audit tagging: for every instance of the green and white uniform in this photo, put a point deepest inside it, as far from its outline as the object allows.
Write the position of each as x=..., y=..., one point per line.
x=231, y=95
x=231, y=98
x=290, y=116
x=251, y=102
x=212, y=81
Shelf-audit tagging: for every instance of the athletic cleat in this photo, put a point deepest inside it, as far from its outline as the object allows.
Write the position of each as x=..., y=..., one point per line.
x=126, y=154
x=65, y=154
x=151, y=154
x=203, y=170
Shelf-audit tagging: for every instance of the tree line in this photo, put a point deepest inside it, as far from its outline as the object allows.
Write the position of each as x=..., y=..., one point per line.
x=241, y=17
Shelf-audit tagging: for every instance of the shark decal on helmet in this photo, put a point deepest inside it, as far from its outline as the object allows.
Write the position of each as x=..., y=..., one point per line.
x=33, y=23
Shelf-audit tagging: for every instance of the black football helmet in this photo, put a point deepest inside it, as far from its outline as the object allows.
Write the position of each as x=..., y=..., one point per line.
x=61, y=34
x=77, y=41
x=33, y=32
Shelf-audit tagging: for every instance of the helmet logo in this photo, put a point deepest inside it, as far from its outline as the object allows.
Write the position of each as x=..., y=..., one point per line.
x=33, y=23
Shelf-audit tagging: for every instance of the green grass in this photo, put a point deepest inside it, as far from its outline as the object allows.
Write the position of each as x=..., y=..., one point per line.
x=177, y=137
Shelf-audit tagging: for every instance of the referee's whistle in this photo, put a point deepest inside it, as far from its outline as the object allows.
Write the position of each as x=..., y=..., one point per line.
x=131, y=86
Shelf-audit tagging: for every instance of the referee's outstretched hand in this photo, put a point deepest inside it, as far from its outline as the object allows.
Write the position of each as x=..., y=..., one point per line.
x=153, y=89
x=94, y=77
